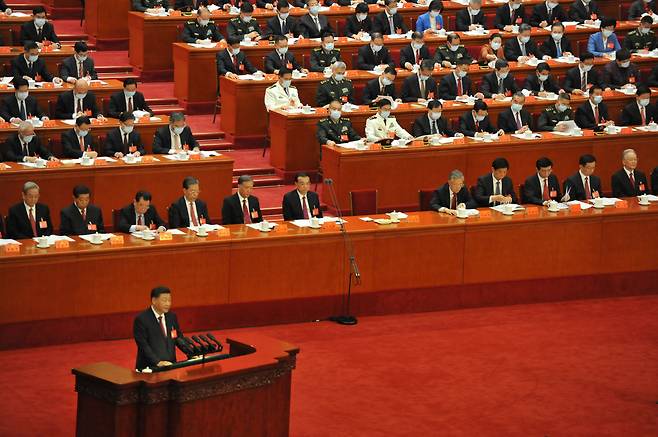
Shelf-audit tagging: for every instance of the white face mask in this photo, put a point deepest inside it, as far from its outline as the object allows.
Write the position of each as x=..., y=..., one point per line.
x=315, y=10
x=435, y=115
x=127, y=129
x=516, y=107
x=502, y=75
x=434, y=14
x=606, y=33
x=453, y=48
x=339, y=76
x=81, y=58
x=82, y=133
x=39, y=22
x=551, y=5
x=335, y=114
x=284, y=16
x=386, y=81
x=286, y=83
x=587, y=68
x=625, y=64
x=361, y=17
x=80, y=96
x=495, y=45
x=597, y=99
x=393, y=11
x=560, y=107
x=329, y=46
x=416, y=45
x=643, y=102
x=129, y=93
x=516, y=6
x=235, y=51
x=480, y=117
x=246, y=18
x=282, y=50
x=524, y=39
x=203, y=23
x=28, y=138
x=375, y=47
x=384, y=114
x=556, y=36
x=33, y=58
x=21, y=95
x=179, y=130
x=475, y=11
x=462, y=73
x=542, y=77
x=644, y=30
x=422, y=77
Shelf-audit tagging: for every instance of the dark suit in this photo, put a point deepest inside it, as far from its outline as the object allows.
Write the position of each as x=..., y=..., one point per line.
x=639, y=7
x=380, y=24
x=411, y=89
x=10, y=108
x=368, y=60
x=232, y=210
x=179, y=216
x=372, y=90
x=162, y=139
x=18, y=222
x=468, y=128
x=574, y=78
x=226, y=65
x=533, y=190
x=273, y=26
x=66, y=105
x=654, y=180
x=448, y=87
x=630, y=115
x=533, y=84
x=441, y=198
x=72, y=223
x=69, y=68
x=354, y=26
x=507, y=121
x=152, y=345
x=71, y=144
x=127, y=218
x=273, y=62
x=292, y=205
x=504, y=18
x=614, y=77
x=653, y=77
x=549, y=47
x=585, y=115
x=540, y=13
x=422, y=127
x=580, y=12
x=15, y=152
x=118, y=104
x=576, y=188
x=29, y=33
x=114, y=143
x=463, y=19
x=489, y=85
x=308, y=28
x=485, y=188
x=621, y=184
x=407, y=55
x=20, y=68
x=512, y=49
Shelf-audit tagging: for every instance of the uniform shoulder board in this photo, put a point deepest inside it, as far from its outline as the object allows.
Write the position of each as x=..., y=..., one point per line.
x=191, y=22
x=235, y=20
x=317, y=49
x=271, y=86
x=347, y=79
x=372, y=117
x=211, y=22
x=323, y=120
x=337, y=50
x=324, y=81
x=292, y=86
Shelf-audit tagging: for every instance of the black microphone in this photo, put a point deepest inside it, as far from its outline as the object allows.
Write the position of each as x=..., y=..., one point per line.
x=219, y=345
x=182, y=345
x=328, y=181
x=192, y=346
x=212, y=347
x=203, y=347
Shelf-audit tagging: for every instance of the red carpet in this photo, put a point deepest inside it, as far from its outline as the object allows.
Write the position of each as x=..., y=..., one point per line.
x=581, y=368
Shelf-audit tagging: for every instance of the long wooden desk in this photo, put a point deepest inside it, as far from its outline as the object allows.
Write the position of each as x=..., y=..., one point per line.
x=53, y=58
x=429, y=262
x=398, y=174
x=107, y=26
x=10, y=27
x=114, y=185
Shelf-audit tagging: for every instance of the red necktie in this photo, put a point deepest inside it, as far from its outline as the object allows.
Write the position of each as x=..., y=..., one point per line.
x=162, y=326
x=416, y=56
x=632, y=178
x=140, y=220
x=596, y=114
x=84, y=215
x=460, y=90
x=82, y=144
x=644, y=116
x=33, y=223
x=453, y=201
x=588, y=191
x=195, y=222
x=546, y=195
x=130, y=104
x=245, y=212
x=237, y=64
x=304, y=207
x=477, y=125
x=518, y=121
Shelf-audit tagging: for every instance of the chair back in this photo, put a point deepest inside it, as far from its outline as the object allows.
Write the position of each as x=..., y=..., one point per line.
x=424, y=198
x=363, y=202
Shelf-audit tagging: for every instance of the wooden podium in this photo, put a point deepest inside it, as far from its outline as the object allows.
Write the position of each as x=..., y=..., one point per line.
x=247, y=394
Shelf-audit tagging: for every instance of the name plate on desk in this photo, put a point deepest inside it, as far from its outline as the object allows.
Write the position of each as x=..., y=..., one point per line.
x=575, y=208
x=224, y=232
x=485, y=213
x=116, y=240
x=61, y=244
x=413, y=218
x=12, y=248
x=531, y=210
x=49, y=123
x=621, y=204
x=165, y=236
x=281, y=229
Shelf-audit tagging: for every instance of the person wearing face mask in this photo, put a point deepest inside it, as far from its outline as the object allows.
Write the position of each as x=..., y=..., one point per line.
x=244, y=26
x=547, y=13
x=359, y=24
x=280, y=57
x=448, y=55
x=640, y=7
x=551, y=116
x=282, y=95
x=584, y=11
x=605, y=41
x=628, y=181
x=176, y=137
x=81, y=217
x=579, y=79
x=31, y=66
x=499, y=83
x=39, y=30
x=389, y=22
x=325, y=55
x=495, y=188
x=151, y=6
x=124, y=140
x=202, y=30
x=191, y=5
x=433, y=123
x=593, y=113
x=380, y=87
x=374, y=54
x=521, y=48
x=383, y=127
x=20, y=105
x=516, y=119
x=78, y=66
x=412, y=55
x=640, y=112
x=420, y=87
x=621, y=71
x=476, y=123
x=457, y=84
x=76, y=102
x=25, y=146
x=492, y=50
x=335, y=129
x=313, y=25
x=337, y=87
x=432, y=20
x=128, y=100
x=282, y=23
x=557, y=44
x=541, y=83
x=232, y=62
x=471, y=17
x=510, y=14
x=78, y=141
x=642, y=38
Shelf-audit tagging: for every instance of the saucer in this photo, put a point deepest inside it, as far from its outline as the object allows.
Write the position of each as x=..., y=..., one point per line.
x=647, y=203
x=599, y=207
x=99, y=243
x=553, y=210
x=508, y=213
x=43, y=247
x=314, y=227
x=202, y=235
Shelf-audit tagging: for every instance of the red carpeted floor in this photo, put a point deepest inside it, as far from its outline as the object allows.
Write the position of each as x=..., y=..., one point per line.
x=582, y=368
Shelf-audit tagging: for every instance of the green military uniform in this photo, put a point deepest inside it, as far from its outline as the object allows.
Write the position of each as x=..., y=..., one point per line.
x=238, y=28
x=194, y=31
x=330, y=89
x=637, y=41
x=340, y=131
x=550, y=116
x=443, y=53
x=320, y=58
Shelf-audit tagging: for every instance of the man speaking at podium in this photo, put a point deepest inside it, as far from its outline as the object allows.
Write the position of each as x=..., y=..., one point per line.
x=155, y=330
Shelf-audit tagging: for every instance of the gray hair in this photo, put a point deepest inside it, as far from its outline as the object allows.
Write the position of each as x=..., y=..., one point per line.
x=190, y=180
x=338, y=64
x=29, y=185
x=627, y=152
x=455, y=174
x=176, y=116
x=24, y=125
x=244, y=178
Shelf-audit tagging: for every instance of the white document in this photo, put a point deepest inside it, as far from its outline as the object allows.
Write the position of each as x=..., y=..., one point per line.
x=479, y=32
x=349, y=107
x=400, y=215
x=501, y=208
x=207, y=227
x=175, y=232
x=365, y=219
x=208, y=45
x=607, y=201
x=652, y=198
x=472, y=212
x=257, y=226
x=583, y=205
x=29, y=164
x=54, y=238
x=5, y=241
x=353, y=145
x=534, y=136
x=104, y=237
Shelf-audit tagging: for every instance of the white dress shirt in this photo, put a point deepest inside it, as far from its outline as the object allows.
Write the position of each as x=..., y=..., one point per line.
x=303, y=199
x=196, y=214
x=164, y=321
x=493, y=178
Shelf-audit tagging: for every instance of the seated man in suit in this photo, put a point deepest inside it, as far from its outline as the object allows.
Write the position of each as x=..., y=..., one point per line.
x=543, y=186
x=176, y=137
x=39, y=30
x=641, y=7
x=541, y=83
x=128, y=100
x=29, y=218
x=584, y=12
x=383, y=126
x=78, y=66
x=432, y=123
x=515, y=120
x=337, y=87
x=359, y=24
x=313, y=25
x=593, y=112
x=452, y=195
x=335, y=129
x=281, y=57
x=374, y=54
x=552, y=115
x=77, y=102
x=151, y=6
x=124, y=140
x=201, y=30
x=629, y=181
x=20, y=105
x=244, y=26
x=189, y=210
x=242, y=207
x=521, y=48
x=605, y=41
x=509, y=15
x=640, y=112
x=579, y=79
x=414, y=53
x=30, y=66
x=547, y=13
x=25, y=146
x=140, y=215
x=155, y=331
x=301, y=203
x=471, y=17
x=77, y=142
x=476, y=123
x=495, y=188
x=498, y=84
x=556, y=45
x=326, y=55
x=233, y=62
x=583, y=185
x=282, y=23
x=81, y=217
x=448, y=54
x=384, y=85
x=457, y=84
x=420, y=87
x=621, y=71
x=282, y=95
x=389, y=22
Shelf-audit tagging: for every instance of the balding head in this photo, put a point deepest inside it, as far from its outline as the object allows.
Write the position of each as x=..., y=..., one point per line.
x=204, y=13
x=81, y=86
x=629, y=159
x=25, y=128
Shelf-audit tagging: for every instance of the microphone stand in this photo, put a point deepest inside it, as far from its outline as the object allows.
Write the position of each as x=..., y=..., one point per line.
x=345, y=318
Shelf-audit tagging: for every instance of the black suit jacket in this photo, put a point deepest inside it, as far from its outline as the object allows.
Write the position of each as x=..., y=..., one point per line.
x=127, y=218
x=441, y=198
x=292, y=206
x=14, y=151
x=71, y=144
x=585, y=116
x=579, y=12
x=407, y=55
x=485, y=188
x=273, y=26
x=66, y=106
x=226, y=65
x=29, y=33
x=512, y=49
x=411, y=89
x=178, y=215
x=372, y=90
x=69, y=68
x=368, y=60
x=71, y=220
x=468, y=128
x=576, y=189
x=621, y=184
x=550, y=48
x=630, y=115
x=448, y=87
x=18, y=223
x=114, y=143
x=507, y=122
x=20, y=68
x=273, y=62
x=652, y=80
x=152, y=345
x=354, y=26
x=540, y=13
x=10, y=109
x=533, y=191
x=232, y=210
x=503, y=17
x=654, y=180
x=573, y=79
x=162, y=139
x=489, y=84
x=308, y=28
x=118, y=104
x=463, y=20
x=532, y=84
x=422, y=127
x=380, y=24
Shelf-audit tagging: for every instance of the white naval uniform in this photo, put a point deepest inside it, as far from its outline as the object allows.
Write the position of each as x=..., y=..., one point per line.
x=377, y=128
x=276, y=97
